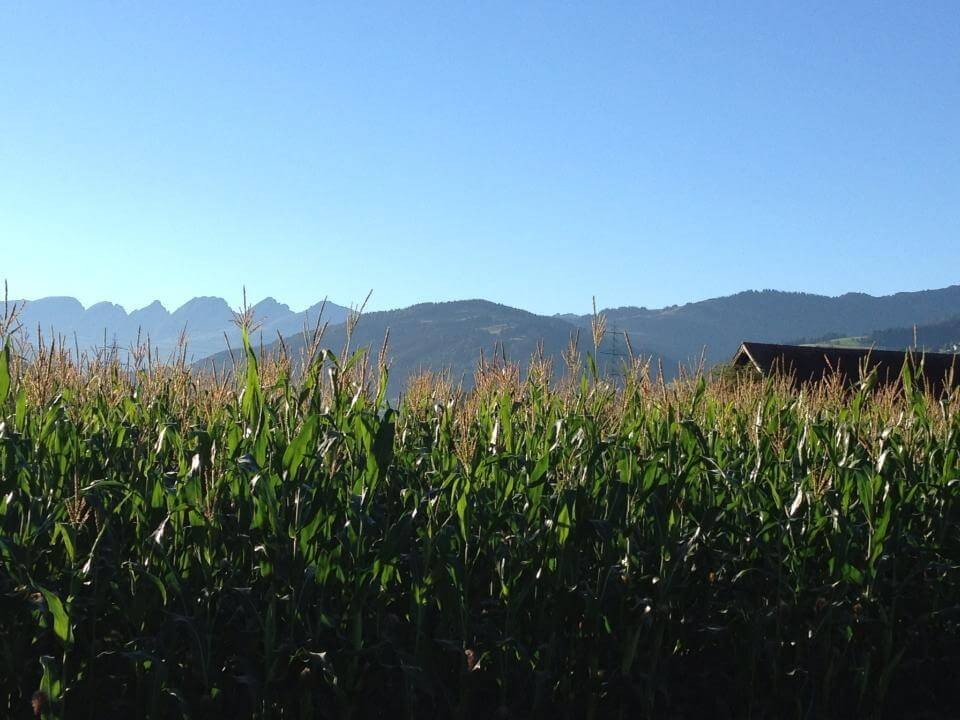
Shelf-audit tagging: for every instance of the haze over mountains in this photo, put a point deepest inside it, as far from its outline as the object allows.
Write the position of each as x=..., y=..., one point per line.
x=204, y=321
x=451, y=335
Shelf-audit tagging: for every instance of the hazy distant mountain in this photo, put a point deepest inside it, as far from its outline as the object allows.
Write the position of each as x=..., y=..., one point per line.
x=717, y=326
x=202, y=320
x=451, y=336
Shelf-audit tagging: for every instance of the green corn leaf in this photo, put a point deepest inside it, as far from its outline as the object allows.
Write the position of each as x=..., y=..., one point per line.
x=4, y=372
x=383, y=442
x=563, y=524
x=462, y=508
x=51, y=687
x=61, y=620
x=66, y=534
x=20, y=416
x=297, y=450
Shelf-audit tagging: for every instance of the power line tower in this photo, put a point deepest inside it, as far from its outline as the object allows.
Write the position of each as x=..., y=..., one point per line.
x=614, y=356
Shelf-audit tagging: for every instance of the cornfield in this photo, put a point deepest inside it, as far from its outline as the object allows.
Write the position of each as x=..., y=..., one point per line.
x=273, y=544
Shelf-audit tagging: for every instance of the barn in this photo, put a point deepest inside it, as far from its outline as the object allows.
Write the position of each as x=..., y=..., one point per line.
x=808, y=363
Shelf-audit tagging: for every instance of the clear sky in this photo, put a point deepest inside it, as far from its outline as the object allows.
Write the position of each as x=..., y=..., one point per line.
x=532, y=154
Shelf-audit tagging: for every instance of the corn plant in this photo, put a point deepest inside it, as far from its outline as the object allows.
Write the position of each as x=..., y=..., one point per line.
x=291, y=545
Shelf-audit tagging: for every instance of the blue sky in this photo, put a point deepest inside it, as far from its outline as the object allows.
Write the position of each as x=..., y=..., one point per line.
x=532, y=154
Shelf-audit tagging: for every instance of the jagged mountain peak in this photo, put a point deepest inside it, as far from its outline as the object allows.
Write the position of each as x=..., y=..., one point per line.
x=205, y=319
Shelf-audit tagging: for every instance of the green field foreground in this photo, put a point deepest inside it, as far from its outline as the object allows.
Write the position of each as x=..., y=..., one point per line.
x=258, y=546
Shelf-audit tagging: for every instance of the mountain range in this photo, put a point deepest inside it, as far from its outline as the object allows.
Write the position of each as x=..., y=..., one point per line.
x=451, y=335
x=447, y=336
x=717, y=326
x=207, y=323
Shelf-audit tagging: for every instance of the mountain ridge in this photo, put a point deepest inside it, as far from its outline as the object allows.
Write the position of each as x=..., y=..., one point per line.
x=718, y=325
x=451, y=334
x=206, y=321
